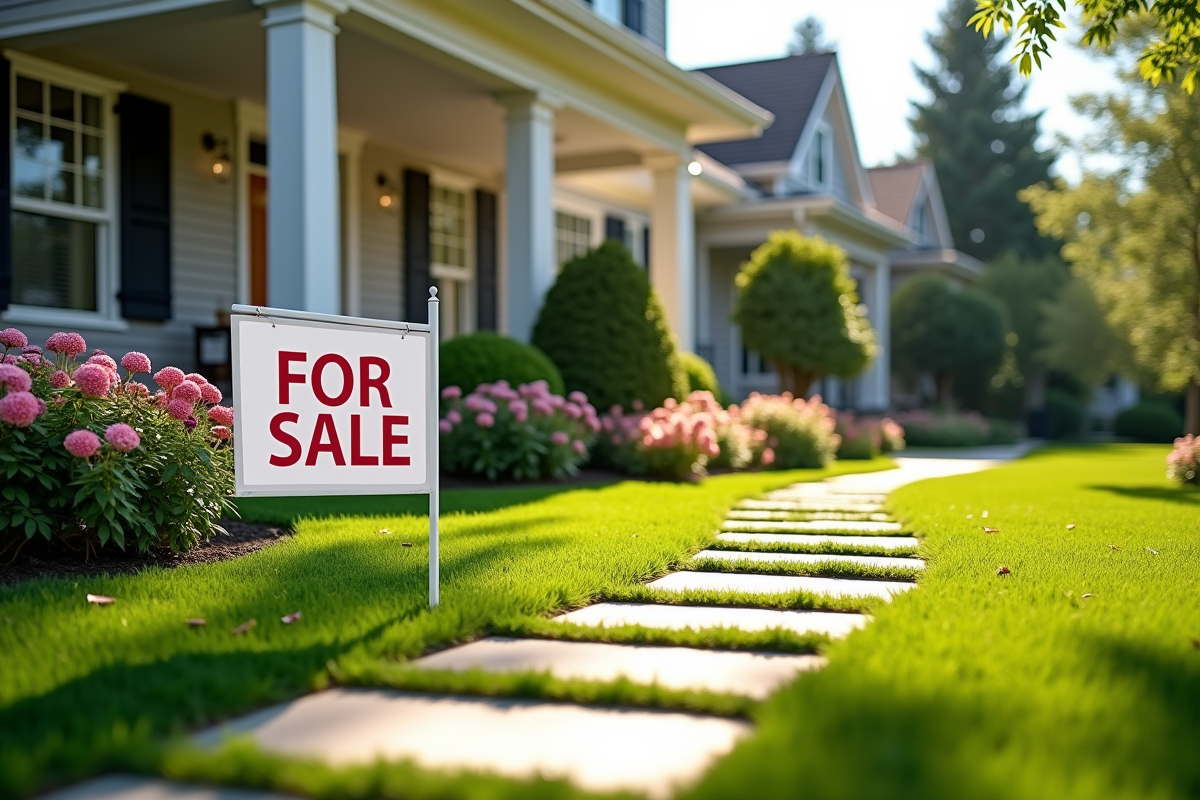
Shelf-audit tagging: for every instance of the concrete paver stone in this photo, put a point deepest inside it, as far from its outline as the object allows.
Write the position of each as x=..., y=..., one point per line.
x=754, y=675
x=776, y=584
x=811, y=526
x=746, y=513
x=813, y=539
x=701, y=617
x=811, y=558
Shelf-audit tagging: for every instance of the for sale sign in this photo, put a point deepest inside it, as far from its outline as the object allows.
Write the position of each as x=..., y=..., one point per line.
x=330, y=407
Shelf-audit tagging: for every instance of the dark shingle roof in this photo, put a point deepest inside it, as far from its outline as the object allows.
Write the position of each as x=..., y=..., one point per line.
x=788, y=88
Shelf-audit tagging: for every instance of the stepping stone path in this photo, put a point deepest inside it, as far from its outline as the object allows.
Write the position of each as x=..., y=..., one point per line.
x=603, y=749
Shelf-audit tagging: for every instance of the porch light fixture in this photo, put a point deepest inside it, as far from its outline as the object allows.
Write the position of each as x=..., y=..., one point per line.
x=695, y=168
x=219, y=161
x=389, y=195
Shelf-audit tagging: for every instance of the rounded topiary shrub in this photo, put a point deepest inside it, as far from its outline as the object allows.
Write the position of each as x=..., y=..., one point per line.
x=1149, y=422
x=486, y=357
x=699, y=374
x=604, y=329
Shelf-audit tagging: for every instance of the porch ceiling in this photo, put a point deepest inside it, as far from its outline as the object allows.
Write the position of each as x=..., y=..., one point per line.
x=397, y=91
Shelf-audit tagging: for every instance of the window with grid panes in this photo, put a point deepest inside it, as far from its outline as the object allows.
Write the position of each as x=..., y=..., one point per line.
x=573, y=236
x=60, y=207
x=448, y=226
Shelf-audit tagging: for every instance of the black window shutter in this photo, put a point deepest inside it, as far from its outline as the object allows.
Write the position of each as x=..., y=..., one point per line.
x=486, y=245
x=646, y=246
x=416, y=246
x=6, y=190
x=634, y=15
x=614, y=229
x=145, y=208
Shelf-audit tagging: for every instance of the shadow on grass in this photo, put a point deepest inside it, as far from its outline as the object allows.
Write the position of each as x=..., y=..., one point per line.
x=1182, y=495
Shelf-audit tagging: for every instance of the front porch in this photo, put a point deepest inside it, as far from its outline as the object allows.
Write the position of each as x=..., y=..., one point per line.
x=341, y=157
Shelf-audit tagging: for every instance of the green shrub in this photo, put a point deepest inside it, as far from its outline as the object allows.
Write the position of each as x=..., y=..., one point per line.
x=944, y=429
x=1149, y=422
x=1067, y=413
x=700, y=375
x=604, y=329
x=485, y=357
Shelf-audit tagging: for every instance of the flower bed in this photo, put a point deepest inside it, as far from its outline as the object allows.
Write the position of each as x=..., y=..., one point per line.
x=524, y=433
x=90, y=457
x=800, y=432
x=1183, y=462
x=953, y=429
x=867, y=437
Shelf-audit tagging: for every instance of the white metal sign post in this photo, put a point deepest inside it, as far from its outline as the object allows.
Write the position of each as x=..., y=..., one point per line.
x=331, y=405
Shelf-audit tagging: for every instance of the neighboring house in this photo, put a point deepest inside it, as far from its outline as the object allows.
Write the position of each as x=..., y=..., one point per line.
x=171, y=157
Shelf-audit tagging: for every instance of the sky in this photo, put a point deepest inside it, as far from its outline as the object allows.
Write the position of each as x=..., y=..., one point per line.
x=877, y=41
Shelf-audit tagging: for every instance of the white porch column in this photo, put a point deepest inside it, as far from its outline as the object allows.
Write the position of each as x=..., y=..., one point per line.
x=529, y=208
x=877, y=383
x=303, y=243
x=673, y=245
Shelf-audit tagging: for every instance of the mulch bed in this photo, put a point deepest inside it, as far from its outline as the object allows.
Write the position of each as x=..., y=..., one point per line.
x=44, y=562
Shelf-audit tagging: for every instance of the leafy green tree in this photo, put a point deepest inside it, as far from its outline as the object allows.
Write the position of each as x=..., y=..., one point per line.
x=956, y=335
x=1134, y=233
x=980, y=142
x=1173, y=44
x=797, y=307
x=1076, y=338
x=809, y=37
x=1024, y=286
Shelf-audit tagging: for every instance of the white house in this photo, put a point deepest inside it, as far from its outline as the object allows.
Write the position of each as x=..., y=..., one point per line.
x=171, y=157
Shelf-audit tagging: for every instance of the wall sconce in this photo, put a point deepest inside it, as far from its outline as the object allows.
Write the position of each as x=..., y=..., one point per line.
x=389, y=194
x=219, y=161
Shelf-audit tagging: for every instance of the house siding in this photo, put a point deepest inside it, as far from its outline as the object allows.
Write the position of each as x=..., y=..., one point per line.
x=382, y=259
x=654, y=18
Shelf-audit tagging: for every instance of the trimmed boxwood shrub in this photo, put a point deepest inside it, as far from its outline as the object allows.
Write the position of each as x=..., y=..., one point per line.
x=486, y=357
x=700, y=375
x=1067, y=413
x=1149, y=422
x=604, y=329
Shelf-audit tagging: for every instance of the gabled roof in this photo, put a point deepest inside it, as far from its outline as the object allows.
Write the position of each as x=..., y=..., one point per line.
x=896, y=188
x=788, y=88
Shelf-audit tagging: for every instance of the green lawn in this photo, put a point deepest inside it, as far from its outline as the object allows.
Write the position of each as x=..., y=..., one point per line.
x=85, y=688
x=1075, y=676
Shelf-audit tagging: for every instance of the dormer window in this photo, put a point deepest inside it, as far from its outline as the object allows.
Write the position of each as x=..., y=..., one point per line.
x=820, y=157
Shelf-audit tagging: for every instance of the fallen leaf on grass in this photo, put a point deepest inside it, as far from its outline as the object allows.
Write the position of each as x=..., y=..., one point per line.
x=406, y=544
x=1071, y=526
x=1152, y=550
x=290, y=618
x=1113, y=547
x=384, y=532
x=101, y=599
x=245, y=626
x=986, y=529
x=196, y=623
x=1086, y=595
x=1003, y=570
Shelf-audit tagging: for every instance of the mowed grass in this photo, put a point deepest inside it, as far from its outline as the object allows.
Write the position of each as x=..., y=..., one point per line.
x=1077, y=675
x=87, y=688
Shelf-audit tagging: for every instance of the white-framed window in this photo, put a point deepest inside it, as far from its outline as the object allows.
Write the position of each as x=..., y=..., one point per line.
x=449, y=243
x=573, y=236
x=64, y=196
x=451, y=255
x=820, y=157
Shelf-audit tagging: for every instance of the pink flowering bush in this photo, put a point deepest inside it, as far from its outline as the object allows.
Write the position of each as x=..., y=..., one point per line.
x=1183, y=462
x=867, y=437
x=89, y=456
x=675, y=440
x=933, y=428
x=523, y=433
x=800, y=434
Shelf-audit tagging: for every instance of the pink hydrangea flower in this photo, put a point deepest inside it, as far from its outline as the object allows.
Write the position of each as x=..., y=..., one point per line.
x=186, y=390
x=210, y=394
x=122, y=437
x=32, y=358
x=453, y=416
x=82, y=443
x=93, y=380
x=135, y=362
x=14, y=378
x=559, y=438
x=451, y=392
x=60, y=379
x=11, y=337
x=69, y=344
x=579, y=447
x=169, y=377
x=102, y=360
x=485, y=420
x=768, y=457
x=577, y=397
x=20, y=409
x=445, y=426
x=572, y=410
x=179, y=409
x=138, y=390
x=220, y=431
x=196, y=378
x=9, y=360
x=222, y=415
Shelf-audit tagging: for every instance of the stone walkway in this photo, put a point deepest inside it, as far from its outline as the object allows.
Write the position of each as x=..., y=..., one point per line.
x=607, y=749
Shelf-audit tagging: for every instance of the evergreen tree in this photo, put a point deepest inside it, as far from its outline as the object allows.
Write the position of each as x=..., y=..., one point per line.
x=809, y=37
x=980, y=142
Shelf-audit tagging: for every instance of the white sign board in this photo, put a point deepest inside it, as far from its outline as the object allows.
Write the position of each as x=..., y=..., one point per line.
x=328, y=405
